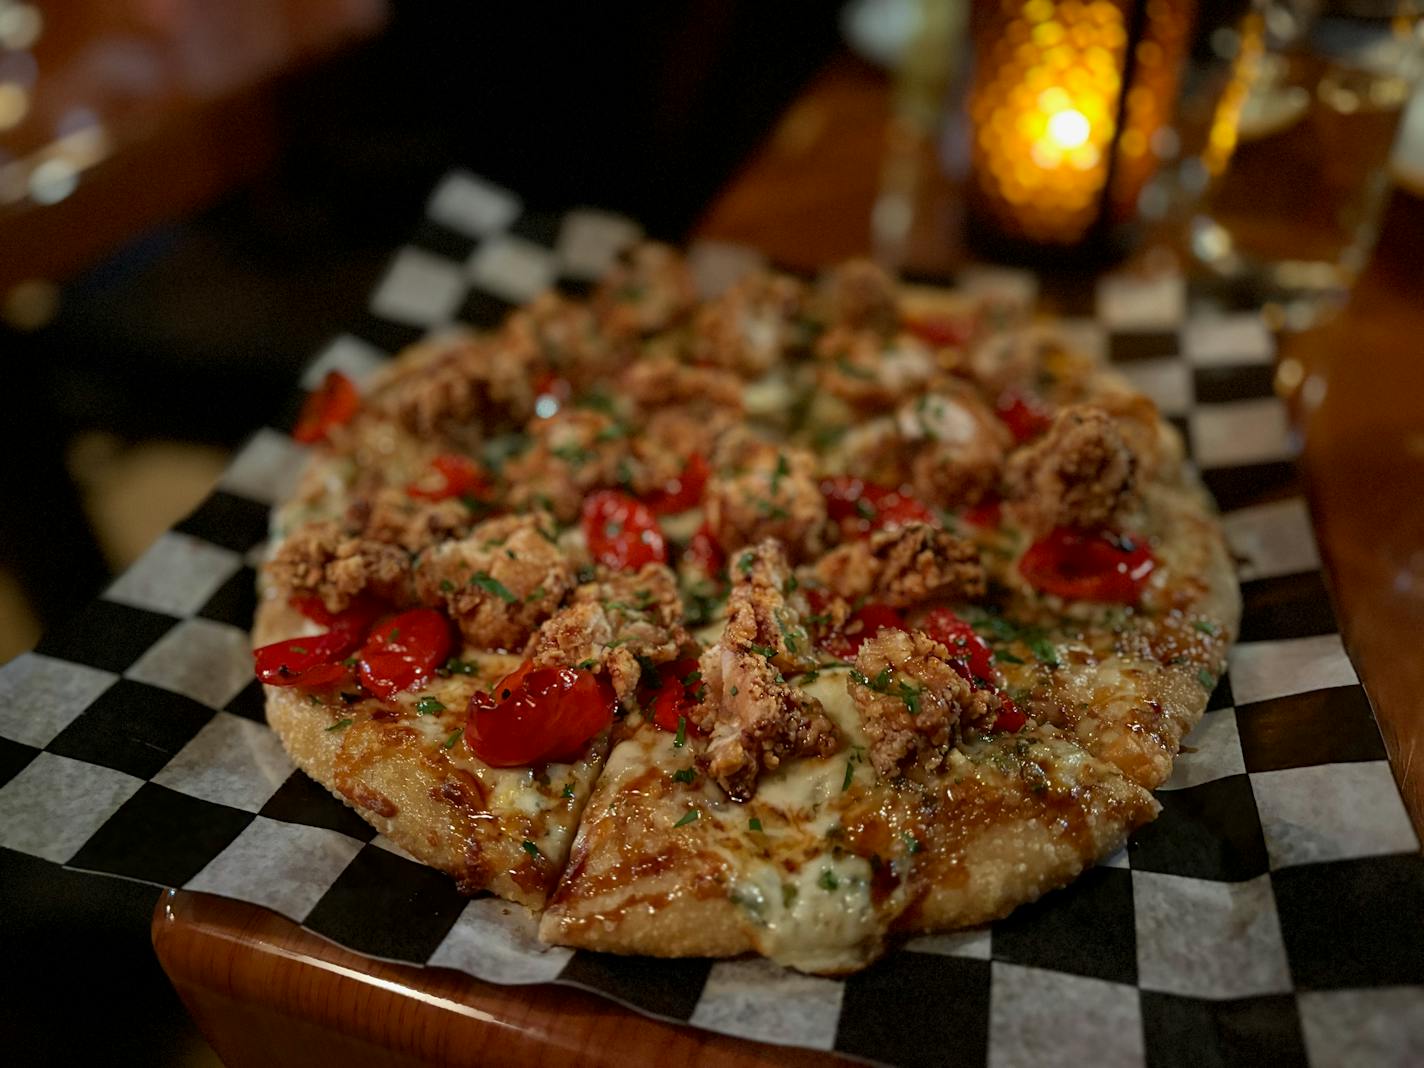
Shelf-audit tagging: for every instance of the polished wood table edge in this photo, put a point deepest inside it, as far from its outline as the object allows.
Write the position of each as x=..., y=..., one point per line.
x=295, y=993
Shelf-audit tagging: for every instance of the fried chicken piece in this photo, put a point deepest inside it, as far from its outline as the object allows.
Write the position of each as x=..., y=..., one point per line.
x=669, y=440
x=766, y=607
x=661, y=379
x=913, y=704
x=765, y=491
x=756, y=719
x=958, y=446
x=616, y=623
x=326, y=560
x=761, y=720
x=750, y=327
x=566, y=336
x=869, y=372
x=392, y=516
x=1081, y=473
x=904, y=566
x=650, y=289
x=469, y=388
x=573, y=452
x=859, y=294
x=500, y=582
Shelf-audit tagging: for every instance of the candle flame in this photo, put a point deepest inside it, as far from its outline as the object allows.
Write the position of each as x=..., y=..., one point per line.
x=1069, y=128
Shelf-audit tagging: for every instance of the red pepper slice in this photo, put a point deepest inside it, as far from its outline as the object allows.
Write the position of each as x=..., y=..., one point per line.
x=621, y=532
x=941, y=330
x=1025, y=417
x=703, y=552
x=404, y=649
x=1010, y=718
x=357, y=617
x=535, y=716
x=1096, y=565
x=864, y=622
x=985, y=514
x=308, y=662
x=683, y=492
x=674, y=695
x=333, y=403
x=971, y=655
x=454, y=476
x=861, y=507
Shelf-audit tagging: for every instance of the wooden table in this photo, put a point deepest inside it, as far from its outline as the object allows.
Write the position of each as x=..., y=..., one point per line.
x=264, y=991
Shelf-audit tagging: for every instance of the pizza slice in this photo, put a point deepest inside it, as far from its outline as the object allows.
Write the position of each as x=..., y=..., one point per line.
x=807, y=807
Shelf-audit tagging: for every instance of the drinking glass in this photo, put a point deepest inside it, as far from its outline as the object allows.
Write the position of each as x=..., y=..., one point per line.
x=1286, y=146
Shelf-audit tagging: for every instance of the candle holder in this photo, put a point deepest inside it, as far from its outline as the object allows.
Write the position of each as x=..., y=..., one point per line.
x=1069, y=109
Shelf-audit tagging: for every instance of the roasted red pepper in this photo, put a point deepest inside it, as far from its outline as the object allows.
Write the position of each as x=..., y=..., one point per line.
x=538, y=715
x=403, y=650
x=452, y=475
x=621, y=532
x=333, y=403
x=1096, y=565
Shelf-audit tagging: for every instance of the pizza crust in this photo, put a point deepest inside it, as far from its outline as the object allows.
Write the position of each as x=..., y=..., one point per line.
x=441, y=805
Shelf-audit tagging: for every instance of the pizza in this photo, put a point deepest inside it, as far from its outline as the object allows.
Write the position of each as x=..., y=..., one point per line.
x=788, y=621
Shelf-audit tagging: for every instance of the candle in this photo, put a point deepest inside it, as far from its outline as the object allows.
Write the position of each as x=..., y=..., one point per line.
x=1066, y=109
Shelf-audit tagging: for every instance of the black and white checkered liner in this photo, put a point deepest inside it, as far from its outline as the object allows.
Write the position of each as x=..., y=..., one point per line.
x=1274, y=911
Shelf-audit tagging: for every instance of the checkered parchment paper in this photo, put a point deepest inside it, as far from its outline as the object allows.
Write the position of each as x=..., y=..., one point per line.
x=1274, y=912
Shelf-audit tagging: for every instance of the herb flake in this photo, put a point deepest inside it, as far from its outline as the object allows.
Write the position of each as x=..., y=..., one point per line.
x=489, y=584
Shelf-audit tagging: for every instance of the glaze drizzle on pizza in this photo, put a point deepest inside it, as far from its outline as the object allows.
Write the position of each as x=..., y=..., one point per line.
x=783, y=622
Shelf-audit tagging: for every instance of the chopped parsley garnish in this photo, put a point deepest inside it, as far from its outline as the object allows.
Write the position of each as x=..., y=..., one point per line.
x=684, y=775
x=883, y=683
x=446, y=586
x=851, y=371
x=681, y=739
x=1207, y=679
x=531, y=849
x=746, y=562
x=768, y=651
x=449, y=742
x=591, y=662
x=340, y=725
x=735, y=691
x=828, y=880
x=484, y=581
x=753, y=824
x=428, y=706
x=1007, y=658
x=691, y=817
x=536, y=594
x=849, y=775
x=302, y=649
x=782, y=470
x=650, y=676
x=351, y=661
x=1206, y=626
x=864, y=508
x=568, y=789
x=573, y=455
x=691, y=677
x=455, y=666
x=912, y=844
x=1044, y=650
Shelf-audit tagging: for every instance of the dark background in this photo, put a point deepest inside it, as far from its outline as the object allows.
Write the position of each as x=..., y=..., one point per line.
x=196, y=331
